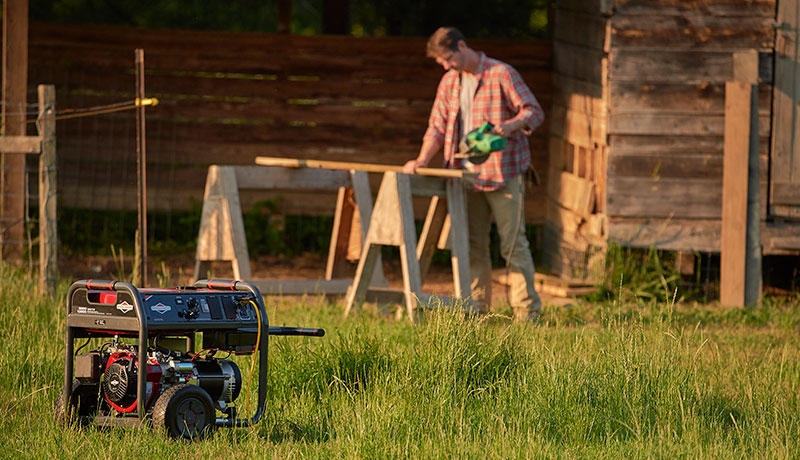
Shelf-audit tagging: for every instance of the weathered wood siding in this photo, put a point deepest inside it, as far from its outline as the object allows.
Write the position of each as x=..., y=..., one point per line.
x=577, y=139
x=226, y=98
x=668, y=64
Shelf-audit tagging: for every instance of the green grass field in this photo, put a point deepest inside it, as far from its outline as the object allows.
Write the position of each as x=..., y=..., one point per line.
x=610, y=380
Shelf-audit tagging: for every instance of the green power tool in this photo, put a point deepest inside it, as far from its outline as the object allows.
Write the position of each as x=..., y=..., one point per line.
x=479, y=143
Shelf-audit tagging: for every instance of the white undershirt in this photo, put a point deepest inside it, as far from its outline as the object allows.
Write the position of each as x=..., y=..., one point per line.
x=469, y=83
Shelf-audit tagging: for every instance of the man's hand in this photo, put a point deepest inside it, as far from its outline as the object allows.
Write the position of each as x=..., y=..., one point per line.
x=506, y=128
x=411, y=166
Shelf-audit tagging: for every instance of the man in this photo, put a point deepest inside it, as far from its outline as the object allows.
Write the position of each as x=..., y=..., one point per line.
x=475, y=89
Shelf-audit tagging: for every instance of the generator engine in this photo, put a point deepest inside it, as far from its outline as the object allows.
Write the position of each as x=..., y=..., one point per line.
x=114, y=369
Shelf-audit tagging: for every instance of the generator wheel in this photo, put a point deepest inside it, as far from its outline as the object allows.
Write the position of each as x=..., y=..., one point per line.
x=184, y=411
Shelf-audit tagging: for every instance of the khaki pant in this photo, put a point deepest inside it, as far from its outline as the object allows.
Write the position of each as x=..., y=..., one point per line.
x=504, y=205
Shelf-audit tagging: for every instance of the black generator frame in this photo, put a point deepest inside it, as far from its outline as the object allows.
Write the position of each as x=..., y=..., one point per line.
x=92, y=326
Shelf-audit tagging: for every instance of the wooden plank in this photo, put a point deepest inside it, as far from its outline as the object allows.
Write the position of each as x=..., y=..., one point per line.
x=699, y=98
x=580, y=63
x=575, y=193
x=669, y=65
x=659, y=145
x=20, y=144
x=662, y=197
x=703, y=235
x=48, y=196
x=670, y=234
x=691, y=29
x=763, y=8
x=592, y=26
x=367, y=167
x=340, y=235
x=430, y=233
x=458, y=229
x=578, y=128
x=236, y=52
x=660, y=124
x=786, y=121
x=12, y=176
x=734, y=194
x=277, y=178
x=579, y=96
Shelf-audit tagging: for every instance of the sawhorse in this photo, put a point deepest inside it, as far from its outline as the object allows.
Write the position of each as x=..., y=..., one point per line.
x=222, y=237
x=392, y=224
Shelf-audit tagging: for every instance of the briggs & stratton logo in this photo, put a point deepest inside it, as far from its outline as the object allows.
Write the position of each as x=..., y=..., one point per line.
x=124, y=307
x=161, y=308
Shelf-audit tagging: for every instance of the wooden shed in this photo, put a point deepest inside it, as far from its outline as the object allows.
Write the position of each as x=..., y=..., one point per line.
x=638, y=124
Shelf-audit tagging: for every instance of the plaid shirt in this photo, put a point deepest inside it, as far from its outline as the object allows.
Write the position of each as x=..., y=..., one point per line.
x=501, y=96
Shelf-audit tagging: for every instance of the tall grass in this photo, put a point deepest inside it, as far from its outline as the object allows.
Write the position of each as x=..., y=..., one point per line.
x=613, y=380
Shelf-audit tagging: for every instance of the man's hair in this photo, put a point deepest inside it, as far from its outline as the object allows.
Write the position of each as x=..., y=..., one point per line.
x=443, y=40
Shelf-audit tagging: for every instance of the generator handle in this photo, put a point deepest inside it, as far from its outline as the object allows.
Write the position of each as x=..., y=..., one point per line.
x=303, y=331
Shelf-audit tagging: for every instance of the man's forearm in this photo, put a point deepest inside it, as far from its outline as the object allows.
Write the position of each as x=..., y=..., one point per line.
x=427, y=151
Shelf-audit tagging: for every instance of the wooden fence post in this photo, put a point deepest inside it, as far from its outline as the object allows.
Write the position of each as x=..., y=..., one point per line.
x=48, y=228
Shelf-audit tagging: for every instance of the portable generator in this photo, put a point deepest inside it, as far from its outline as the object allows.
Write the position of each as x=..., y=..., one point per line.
x=148, y=367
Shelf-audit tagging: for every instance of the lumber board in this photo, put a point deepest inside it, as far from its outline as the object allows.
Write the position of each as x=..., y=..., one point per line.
x=692, y=29
x=661, y=197
x=255, y=53
x=662, y=124
x=664, y=97
x=20, y=144
x=687, y=165
x=368, y=167
x=734, y=193
x=682, y=65
x=579, y=96
x=575, y=193
x=581, y=63
x=763, y=8
x=276, y=178
x=701, y=235
x=593, y=28
x=659, y=145
x=670, y=234
x=578, y=128
x=786, y=120
x=665, y=197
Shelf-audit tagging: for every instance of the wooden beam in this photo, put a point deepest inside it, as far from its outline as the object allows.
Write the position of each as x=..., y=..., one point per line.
x=20, y=144
x=734, y=193
x=368, y=167
x=12, y=179
x=340, y=235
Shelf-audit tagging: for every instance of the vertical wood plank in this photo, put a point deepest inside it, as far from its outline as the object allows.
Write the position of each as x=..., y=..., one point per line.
x=459, y=257
x=412, y=279
x=429, y=236
x=340, y=235
x=12, y=179
x=734, y=193
x=48, y=228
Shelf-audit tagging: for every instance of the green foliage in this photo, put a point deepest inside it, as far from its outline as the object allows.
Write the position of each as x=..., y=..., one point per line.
x=518, y=19
x=632, y=274
x=631, y=380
